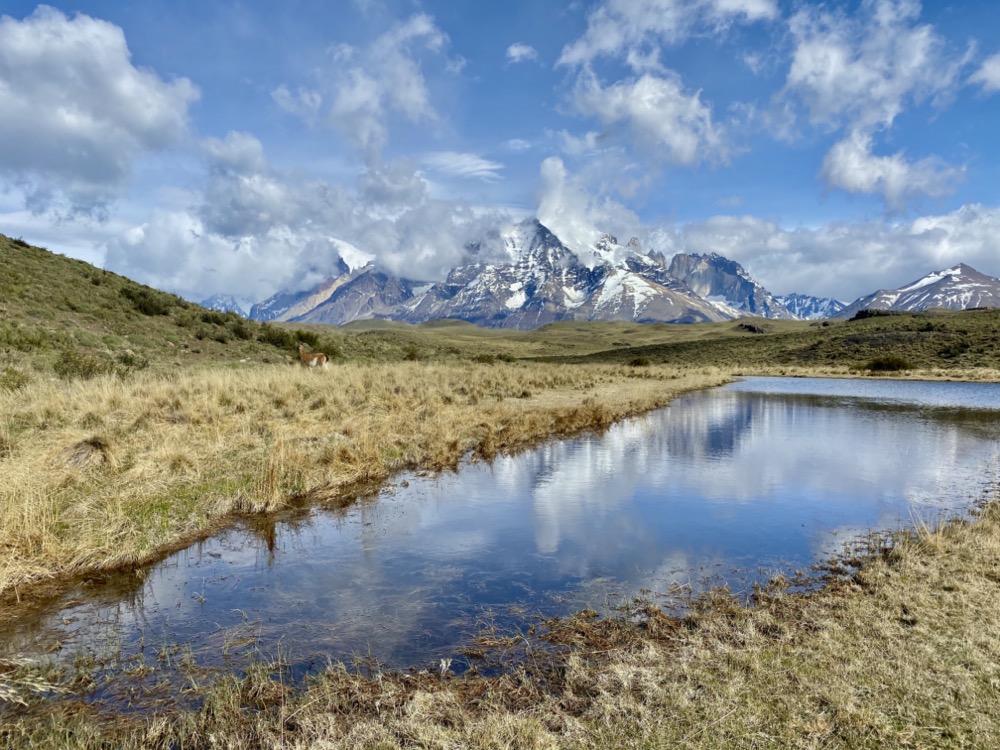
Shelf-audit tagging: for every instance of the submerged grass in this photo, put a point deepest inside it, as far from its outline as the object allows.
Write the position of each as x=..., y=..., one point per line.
x=905, y=653
x=104, y=474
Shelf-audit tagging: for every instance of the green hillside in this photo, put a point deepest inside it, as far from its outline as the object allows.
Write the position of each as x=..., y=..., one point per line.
x=935, y=339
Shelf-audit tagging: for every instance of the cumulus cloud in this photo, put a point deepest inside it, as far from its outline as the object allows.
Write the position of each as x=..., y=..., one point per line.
x=77, y=112
x=988, y=74
x=364, y=87
x=462, y=164
x=256, y=229
x=664, y=121
x=863, y=71
x=845, y=260
x=634, y=29
x=519, y=52
x=851, y=166
x=857, y=74
x=577, y=218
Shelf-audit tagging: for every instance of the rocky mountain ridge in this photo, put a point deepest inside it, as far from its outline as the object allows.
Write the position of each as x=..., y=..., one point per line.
x=525, y=276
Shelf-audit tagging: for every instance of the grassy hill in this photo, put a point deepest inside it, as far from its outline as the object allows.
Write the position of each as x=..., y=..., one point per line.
x=935, y=339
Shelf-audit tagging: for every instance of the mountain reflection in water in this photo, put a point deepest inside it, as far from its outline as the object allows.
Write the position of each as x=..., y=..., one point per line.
x=728, y=486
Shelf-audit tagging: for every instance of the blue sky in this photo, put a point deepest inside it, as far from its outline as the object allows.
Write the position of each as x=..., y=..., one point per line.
x=240, y=147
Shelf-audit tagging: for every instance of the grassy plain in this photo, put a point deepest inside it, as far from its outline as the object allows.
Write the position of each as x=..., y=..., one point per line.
x=132, y=422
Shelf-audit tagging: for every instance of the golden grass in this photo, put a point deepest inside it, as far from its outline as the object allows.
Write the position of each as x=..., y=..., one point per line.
x=110, y=473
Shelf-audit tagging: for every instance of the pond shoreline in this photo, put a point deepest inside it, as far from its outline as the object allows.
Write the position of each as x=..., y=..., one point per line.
x=565, y=406
x=839, y=666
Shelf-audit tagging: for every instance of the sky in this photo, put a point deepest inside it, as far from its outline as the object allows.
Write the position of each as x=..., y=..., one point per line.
x=241, y=146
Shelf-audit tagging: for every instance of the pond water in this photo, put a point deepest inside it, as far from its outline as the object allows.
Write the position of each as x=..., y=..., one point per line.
x=728, y=486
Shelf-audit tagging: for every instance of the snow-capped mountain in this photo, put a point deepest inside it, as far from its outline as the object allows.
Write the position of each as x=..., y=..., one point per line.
x=228, y=303
x=727, y=285
x=956, y=288
x=806, y=307
x=544, y=281
x=360, y=295
x=524, y=276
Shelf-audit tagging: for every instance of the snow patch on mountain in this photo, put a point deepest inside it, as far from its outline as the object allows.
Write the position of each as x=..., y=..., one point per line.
x=956, y=288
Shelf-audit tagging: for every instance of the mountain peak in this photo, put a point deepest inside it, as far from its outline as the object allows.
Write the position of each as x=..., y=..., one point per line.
x=956, y=288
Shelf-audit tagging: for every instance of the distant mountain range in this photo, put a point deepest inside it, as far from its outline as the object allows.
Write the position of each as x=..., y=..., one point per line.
x=526, y=276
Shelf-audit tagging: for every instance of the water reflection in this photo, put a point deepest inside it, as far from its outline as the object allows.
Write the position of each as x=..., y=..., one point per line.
x=728, y=486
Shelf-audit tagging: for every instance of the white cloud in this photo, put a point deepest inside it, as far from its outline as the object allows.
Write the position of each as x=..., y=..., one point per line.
x=464, y=165
x=634, y=29
x=988, y=75
x=858, y=75
x=304, y=103
x=519, y=52
x=255, y=229
x=572, y=145
x=517, y=145
x=76, y=111
x=365, y=86
x=577, y=218
x=845, y=260
x=851, y=166
x=663, y=120
x=863, y=71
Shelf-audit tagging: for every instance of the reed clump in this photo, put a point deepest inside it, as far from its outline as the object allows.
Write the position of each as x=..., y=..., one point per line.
x=108, y=473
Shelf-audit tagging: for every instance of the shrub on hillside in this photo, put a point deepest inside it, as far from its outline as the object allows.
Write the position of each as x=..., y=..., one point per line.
x=864, y=314
x=278, y=337
x=11, y=379
x=889, y=363
x=308, y=338
x=74, y=365
x=147, y=301
x=242, y=330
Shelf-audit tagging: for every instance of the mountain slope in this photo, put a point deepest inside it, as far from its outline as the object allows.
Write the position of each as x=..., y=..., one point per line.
x=957, y=288
x=726, y=284
x=807, y=307
x=65, y=317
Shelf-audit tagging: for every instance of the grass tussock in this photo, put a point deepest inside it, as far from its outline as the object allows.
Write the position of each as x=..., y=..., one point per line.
x=903, y=654
x=104, y=473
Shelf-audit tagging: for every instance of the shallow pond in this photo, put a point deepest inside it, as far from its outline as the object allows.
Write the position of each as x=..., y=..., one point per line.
x=728, y=486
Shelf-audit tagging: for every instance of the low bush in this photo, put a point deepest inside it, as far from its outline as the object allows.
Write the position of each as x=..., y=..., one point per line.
x=74, y=365
x=864, y=314
x=146, y=301
x=308, y=338
x=11, y=379
x=889, y=363
x=278, y=337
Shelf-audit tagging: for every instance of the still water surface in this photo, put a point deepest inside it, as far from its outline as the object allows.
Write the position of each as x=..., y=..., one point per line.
x=728, y=486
